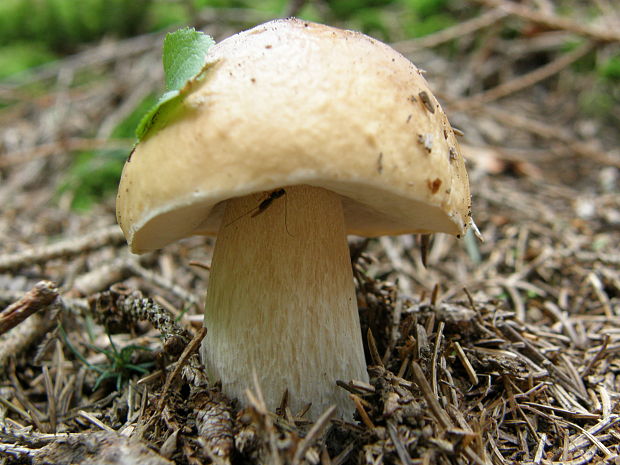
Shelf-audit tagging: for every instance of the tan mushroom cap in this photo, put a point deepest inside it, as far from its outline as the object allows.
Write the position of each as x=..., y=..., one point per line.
x=291, y=102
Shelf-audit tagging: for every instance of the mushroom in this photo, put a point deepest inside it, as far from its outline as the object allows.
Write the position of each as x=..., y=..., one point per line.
x=297, y=135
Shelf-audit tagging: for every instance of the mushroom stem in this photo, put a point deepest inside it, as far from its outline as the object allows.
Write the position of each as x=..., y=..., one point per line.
x=281, y=301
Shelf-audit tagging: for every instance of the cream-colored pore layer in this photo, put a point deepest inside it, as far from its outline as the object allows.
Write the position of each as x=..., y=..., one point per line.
x=281, y=301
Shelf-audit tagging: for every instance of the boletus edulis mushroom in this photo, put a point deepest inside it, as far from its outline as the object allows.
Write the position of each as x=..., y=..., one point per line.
x=296, y=135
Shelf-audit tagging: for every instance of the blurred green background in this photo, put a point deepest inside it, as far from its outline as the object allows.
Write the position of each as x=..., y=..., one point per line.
x=34, y=33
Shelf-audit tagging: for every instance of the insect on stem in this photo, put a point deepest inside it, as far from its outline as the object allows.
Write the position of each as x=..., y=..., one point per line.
x=264, y=205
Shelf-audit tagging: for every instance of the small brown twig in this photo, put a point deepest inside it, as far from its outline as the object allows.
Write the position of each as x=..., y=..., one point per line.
x=317, y=428
x=469, y=369
x=554, y=21
x=43, y=294
x=160, y=281
x=372, y=348
x=600, y=354
x=102, y=54
x=461, y=29
x=525, y=81
x=548, y=131
x=191, y=348
x=62, y=146
x=112, y=235
x=362, y=412
x=427, y=392
x=438, y=341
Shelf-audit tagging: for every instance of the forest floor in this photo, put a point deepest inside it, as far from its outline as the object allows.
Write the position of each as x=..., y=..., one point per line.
x=502, y=351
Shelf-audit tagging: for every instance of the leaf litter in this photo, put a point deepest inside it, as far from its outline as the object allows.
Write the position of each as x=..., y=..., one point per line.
x=499, y=352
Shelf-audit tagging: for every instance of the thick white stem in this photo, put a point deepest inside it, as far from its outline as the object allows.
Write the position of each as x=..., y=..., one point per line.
x=281, y=301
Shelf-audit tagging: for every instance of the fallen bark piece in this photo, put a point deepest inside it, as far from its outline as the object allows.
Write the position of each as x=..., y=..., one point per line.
x=101, y=448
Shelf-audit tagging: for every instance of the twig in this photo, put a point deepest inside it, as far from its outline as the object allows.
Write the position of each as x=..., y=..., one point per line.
x=469, y=369
x=162, y=282
x=31, y=438
x=560, y=134
x=595, y=441
x=356, y=387
x=257, y=402
x=43, y=294
x=438, y=340
x=525, y=81
x=599, y=290
x=600, y=354
x=538, y=357
x=89, y=58
x=562, y=411
x=16, y=450
x=540, y=449
x=21, y=337
x=440, y=414
x=554, y=22
x=403, y=455
x=191, y=348
x=14, y=408
x=580, y=440
x=95, y=421
x=360, y=409
x=51, y=404
x=317, y=428
x=344, y=454
x=112, y=235
x=470, y=26
x=63, y=145
x=372, y=348
x=395, y=331
x=101, y=277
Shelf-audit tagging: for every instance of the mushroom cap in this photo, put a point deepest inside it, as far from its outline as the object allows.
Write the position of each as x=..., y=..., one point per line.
x=292, y=102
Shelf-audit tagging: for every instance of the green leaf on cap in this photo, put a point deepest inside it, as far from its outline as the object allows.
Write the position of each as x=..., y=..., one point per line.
x=184, y=59
x=160, y=110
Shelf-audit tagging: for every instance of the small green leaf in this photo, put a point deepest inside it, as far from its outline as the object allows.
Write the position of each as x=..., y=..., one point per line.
x=184, y=56
x=166, y=101
x=184, y=60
